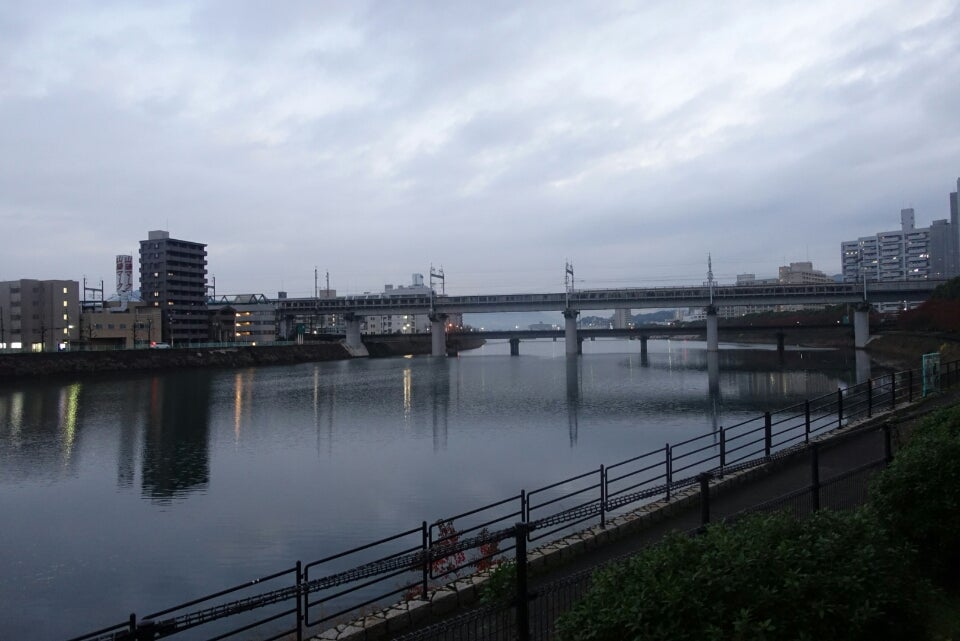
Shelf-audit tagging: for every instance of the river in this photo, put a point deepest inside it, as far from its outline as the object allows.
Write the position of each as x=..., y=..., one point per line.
x=124, y=494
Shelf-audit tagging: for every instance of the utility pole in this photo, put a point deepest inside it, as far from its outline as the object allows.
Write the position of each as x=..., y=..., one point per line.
x=710, y=275
x=438, y=275
x=568, y=281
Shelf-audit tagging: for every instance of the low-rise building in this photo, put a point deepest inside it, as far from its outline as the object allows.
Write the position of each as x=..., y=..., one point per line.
x=39, y=315
x=119, y=324
x=243, y=318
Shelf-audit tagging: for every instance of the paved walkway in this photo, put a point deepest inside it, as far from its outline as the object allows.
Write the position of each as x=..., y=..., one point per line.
x=837, y=456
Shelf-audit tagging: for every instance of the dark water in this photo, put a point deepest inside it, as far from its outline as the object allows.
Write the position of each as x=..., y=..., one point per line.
x=130, y=494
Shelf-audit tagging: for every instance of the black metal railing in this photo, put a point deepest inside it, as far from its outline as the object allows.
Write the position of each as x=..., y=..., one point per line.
x=406, y=565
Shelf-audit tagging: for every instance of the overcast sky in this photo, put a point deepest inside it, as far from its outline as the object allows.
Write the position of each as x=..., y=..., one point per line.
x=495, y=139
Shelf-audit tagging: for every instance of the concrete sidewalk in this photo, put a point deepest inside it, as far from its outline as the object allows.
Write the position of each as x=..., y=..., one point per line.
x=560, y=571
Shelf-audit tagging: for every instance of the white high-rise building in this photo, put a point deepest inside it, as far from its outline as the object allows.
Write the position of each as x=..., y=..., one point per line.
x=909, y=253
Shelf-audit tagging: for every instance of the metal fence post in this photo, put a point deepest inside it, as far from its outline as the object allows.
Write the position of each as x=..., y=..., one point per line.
x=132, y=624
x=603, y=497
x=425, y=548
x=523, y=598
x=806, y=421
x=302, y=588
x=815, y=476
x=910, y=386
x=704, y=478
x=893, y=391
x=839, y=407
x=723, y=450
x=669, y=471
x=767, y=433
x=869, y=398
x=524, y=508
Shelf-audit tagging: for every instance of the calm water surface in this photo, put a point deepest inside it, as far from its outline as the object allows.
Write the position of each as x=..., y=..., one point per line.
x=130, y=494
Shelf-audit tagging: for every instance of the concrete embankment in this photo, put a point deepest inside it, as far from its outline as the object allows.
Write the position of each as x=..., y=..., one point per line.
x=73, y=364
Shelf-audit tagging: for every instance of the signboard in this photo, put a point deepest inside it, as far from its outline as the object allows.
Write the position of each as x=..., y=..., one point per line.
x=930, y=371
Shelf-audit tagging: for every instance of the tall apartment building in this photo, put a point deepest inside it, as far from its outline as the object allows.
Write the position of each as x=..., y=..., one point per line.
x=39, y=315
x=173, y=278
x=909, y=253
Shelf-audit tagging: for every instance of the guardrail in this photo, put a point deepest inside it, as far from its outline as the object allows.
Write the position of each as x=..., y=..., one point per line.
x=406, y=565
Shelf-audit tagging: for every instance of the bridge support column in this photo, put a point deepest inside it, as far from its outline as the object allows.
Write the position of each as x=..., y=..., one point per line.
x=570, y=332
x=861, y=325
x=781, y=337
x=438, y=335
x=713, y=334
x=514, y=347
x=643, y=346
x=353, y=341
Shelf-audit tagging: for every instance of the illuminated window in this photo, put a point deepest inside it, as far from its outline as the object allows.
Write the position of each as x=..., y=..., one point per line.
x=64, y=290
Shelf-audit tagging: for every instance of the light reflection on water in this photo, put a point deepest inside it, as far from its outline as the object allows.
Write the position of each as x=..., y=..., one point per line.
x=135, y=493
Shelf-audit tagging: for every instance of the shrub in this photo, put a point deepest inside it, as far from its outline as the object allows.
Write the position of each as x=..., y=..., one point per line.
x=918, y=496
x=834, y=576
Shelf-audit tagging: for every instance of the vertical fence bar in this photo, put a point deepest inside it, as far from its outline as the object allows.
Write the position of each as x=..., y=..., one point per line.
x=815, y=476
x=839, y=407
x=910, y=386
x=767, y=433
x=704, y=478
x=806, y=421
x=301, y=588
x=425, y=548
x=869, y=398
x=132, y=624
x=523, y=598
x=893, y=391
x=668, y=462
x=723, y=450
x=603, y=497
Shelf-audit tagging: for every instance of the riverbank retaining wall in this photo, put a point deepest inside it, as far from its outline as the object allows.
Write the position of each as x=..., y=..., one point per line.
x=72, y=364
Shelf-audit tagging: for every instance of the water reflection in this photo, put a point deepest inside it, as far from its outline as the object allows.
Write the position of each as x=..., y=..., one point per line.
x=573, y=397
x=39, y=427
x=713, y=389
x=863, y=366
x=176, y=439
x=439, y=373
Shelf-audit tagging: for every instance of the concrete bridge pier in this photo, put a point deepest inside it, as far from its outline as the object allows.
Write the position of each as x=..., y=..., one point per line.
x=514, y=347
x=643, y=346
x=781, y=337
x=353, y=341
x=570, y=332
x=438, y=335
x=861, y=325
x=713, y=333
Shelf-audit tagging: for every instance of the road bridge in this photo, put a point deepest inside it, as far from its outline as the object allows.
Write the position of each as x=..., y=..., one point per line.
x=571, y=303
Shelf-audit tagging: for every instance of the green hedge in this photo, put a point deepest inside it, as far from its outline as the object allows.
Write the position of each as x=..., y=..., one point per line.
x=917, y=497
x=833, y=576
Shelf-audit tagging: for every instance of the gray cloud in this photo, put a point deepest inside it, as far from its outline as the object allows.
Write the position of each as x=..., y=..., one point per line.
x=497, y=139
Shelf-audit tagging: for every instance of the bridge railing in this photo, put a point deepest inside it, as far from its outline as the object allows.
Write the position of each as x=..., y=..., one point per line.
x=407, y=565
